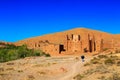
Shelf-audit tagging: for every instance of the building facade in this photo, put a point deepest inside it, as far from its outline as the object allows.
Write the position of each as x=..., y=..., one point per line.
x=73, y=43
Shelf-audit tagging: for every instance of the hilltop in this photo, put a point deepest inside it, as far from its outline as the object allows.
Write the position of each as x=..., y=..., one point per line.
x=59, y=36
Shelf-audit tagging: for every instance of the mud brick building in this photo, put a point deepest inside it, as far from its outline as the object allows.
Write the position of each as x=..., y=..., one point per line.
x=72, y=43
x=76, y=41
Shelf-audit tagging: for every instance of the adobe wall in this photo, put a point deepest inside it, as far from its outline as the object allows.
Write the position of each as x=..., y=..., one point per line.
x=75, y=43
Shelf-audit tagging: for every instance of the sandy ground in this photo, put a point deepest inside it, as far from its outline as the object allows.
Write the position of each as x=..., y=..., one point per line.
x=55, y=68
x=42, y=68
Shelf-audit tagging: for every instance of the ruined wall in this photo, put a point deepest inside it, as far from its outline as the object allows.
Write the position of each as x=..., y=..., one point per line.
x=74, y=43
x=77, y=43
x=107, y=45
x=51, y=48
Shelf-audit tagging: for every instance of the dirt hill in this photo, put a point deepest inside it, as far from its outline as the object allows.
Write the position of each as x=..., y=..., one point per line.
x=59, y=37
x=110, y=40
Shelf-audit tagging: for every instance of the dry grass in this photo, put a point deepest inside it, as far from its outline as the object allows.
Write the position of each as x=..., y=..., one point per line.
x=11, y=68
x=78, y=77
x=95, y=61
x=41, y=72
x=109, y=62
x=113, y=76
x=101, y=78
x=102, y=69
x=118, y=63
x=10, y=63
x=30, y=77
x=20, y=71
x=102, y=56
x=1, y=69
x=87, y=64
x=103, y=65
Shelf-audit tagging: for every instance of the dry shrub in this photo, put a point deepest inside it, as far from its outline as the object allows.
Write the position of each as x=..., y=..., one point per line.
x=31, y=77
x=10, y=63
x=3, y=74
x=38, y=65
x=86, y=64
x=109, y=61
x=102, y=69
x=114, y=76
x=89, y=72
x=1, y=69
x=102, y=56
x=95, y=60
x=41, y=72
x=114, y=57
x=20, y=71
x=78, y=77
x=10, y=69
x=118, y=63
x=76, y=58
x=101, y=78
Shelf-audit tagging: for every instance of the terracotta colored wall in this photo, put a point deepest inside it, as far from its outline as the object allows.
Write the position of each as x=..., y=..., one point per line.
x=73, y=43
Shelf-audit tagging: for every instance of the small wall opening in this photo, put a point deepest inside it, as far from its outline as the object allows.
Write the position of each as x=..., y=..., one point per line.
x=61, y=48
x=85, y=50
x=94, y=46
x=90, y=45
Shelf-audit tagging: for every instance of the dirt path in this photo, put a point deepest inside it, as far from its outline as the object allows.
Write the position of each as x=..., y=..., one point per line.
x=42, y=68
x=75, y=69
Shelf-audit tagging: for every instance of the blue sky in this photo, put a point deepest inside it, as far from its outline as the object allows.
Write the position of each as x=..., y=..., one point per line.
x=20, y=19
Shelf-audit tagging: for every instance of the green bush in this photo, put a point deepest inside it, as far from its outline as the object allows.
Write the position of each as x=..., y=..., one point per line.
x=37, y=54
x=12, y=52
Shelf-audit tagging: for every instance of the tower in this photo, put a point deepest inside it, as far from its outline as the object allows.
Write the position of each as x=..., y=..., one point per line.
x=76, y=43
x=91, y=43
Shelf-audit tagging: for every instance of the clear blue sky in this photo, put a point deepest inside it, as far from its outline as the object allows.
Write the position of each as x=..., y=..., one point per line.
x=20, y=19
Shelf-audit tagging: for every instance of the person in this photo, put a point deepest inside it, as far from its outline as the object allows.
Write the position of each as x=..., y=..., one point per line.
x=83, y=57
